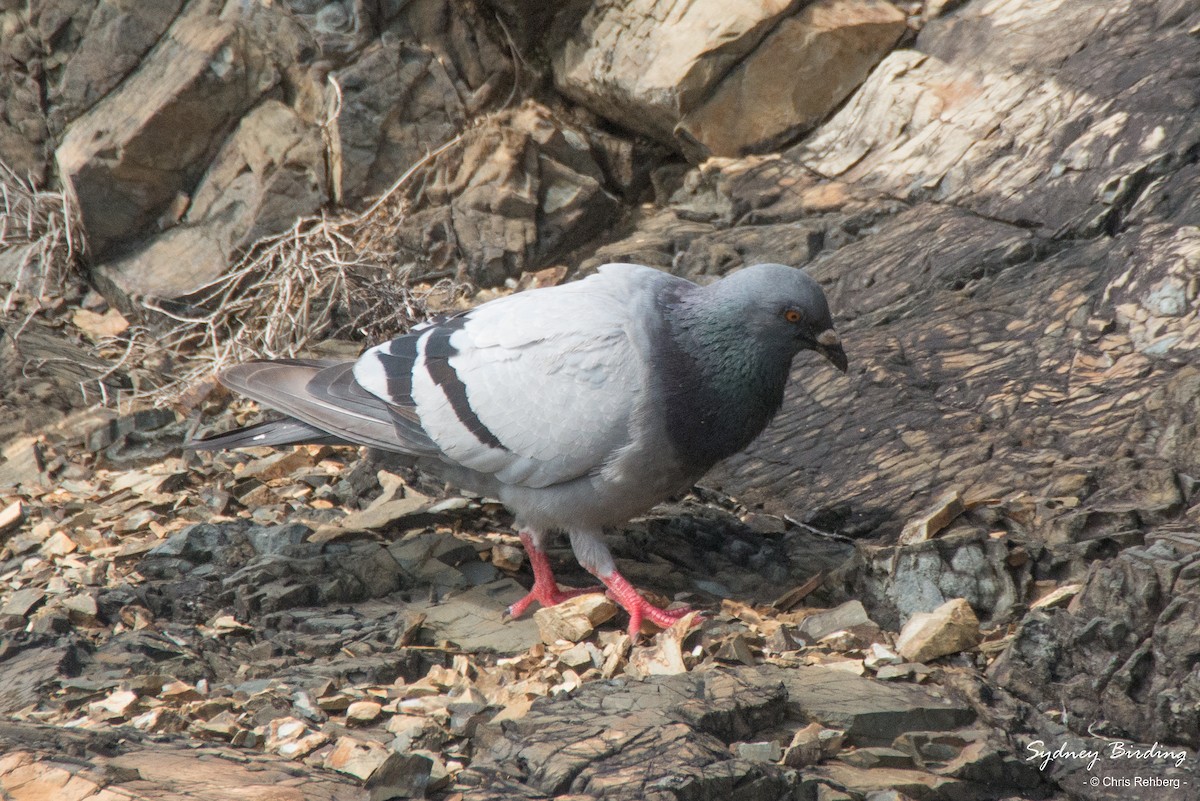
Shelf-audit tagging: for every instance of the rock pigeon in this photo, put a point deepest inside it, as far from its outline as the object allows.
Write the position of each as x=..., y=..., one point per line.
x=578, y=406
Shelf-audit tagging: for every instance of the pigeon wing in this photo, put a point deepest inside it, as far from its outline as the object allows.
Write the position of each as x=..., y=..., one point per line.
x=535, y=389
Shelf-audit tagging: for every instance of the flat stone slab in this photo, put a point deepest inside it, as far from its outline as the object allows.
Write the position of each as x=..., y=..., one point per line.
x=477, y=620
x=669, y=737
x=871, y=712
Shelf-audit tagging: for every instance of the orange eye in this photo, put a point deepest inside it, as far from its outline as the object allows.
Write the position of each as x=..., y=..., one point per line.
x=792, y=316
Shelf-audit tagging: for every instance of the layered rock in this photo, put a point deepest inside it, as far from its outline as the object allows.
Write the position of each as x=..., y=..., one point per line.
x=723, y=79
x=520, y=190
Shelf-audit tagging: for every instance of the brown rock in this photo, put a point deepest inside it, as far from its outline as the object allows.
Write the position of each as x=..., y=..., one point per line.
x=378, y=516
x=81, y=608
x=11, y=516
x=864, y=781
x=644, y=64
x=292, y=738
x=99, y=326
x=950, y=628
x=131, y=154
x=115, y=41
x=664, y=656
x=385, y=773
x=362, y=713
x=508, y=557
x=812, y=744
x=826, y=50
x=941, y=513
x=1059, y=596
x=517, y=191
x=398, y=101
x=58, y=544
x=575, y=618
x=115, y=707
x=277, y=465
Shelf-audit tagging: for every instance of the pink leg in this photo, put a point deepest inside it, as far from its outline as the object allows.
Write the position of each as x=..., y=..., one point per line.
x=624, y=593
x=545, y=589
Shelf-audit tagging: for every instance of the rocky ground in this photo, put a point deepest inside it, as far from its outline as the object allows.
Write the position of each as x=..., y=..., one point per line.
x=965, y=570
x=310, y=618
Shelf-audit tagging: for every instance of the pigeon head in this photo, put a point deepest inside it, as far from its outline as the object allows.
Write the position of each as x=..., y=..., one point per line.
x=784, y=310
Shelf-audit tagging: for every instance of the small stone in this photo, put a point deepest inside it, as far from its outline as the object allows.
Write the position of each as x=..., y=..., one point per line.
x=581, y=656
x=81, y=609
x=1060, y=596
x=50, y=620
x=58, y=544
x=408, y=729
x=283, y=730
x=782, y=638
x=759, y=752
x=575, y=618
x=303, y=703
x=22, y=602
x=940, y=514
x=179, y=691
x=877, y=757
x=334, y=703
x=303, y=746
x=362, y=713
x=10, y=516
x=822, y=624
x=385, y=773
x=439, y=774
x=383, y=515
x=99, y=326
x=507, y=557
x=879, y=656
x=950, y=628
x=114, y=707
x=736, y=649
x=222, y=726
x=292, y=738
x=664, y=656
x=277, y=465
x=812, y=744
x=905, y=670
x=465, y=717
x=827, y=793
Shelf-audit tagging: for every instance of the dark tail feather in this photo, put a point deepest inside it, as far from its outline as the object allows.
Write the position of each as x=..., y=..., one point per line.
x=273, y=433
x=324, y=406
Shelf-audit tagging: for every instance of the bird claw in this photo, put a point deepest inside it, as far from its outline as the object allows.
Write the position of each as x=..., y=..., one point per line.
x=642, y=610
x=639, y=609
x=547, y=596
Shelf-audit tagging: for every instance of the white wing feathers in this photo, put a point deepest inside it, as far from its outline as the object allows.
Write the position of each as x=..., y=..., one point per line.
x=535, y=389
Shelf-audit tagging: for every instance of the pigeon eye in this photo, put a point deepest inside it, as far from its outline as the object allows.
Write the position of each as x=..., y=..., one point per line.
x=792, y=316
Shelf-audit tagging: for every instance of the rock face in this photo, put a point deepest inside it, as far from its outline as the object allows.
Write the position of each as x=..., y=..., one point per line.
x=825, y=50
x=668, y=737
x=704, y=75
x=1124, y=650
x=180, y=156
x=524, y=187
x=132, y=155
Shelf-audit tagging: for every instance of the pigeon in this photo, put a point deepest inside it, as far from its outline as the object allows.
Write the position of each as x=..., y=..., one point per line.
x=577, y=406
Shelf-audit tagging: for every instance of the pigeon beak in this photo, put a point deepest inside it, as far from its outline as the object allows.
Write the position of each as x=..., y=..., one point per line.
x=830, y=346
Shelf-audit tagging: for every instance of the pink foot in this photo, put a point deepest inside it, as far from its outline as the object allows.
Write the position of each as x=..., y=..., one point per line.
x=639, y=609
x=545, y=589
